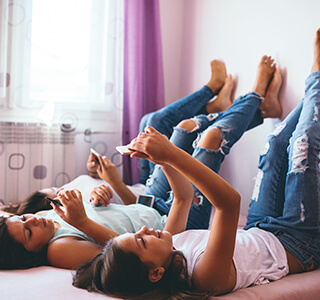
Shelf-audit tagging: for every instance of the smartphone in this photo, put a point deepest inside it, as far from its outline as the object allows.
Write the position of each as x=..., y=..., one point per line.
x=146, y=200
x=123, y=150
x=54, y=201
x=95, y=154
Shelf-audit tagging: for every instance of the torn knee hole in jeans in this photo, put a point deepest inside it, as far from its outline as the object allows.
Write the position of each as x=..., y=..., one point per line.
x=316, y=114
x=300, y=155
x=216, y=142
x=193, y=124
x=197, y=121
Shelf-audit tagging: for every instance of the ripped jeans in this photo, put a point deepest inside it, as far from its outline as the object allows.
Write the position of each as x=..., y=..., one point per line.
x=286, y=195
x=243, y=115
x=169, y=116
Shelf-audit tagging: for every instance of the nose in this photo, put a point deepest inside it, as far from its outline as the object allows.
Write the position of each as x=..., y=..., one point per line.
x=148, y=231
x=32, y=220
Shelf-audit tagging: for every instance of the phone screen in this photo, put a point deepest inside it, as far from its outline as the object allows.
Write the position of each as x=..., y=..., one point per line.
x=146, y=200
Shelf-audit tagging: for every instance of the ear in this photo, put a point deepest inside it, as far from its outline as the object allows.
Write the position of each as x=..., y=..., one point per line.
x=156, y=274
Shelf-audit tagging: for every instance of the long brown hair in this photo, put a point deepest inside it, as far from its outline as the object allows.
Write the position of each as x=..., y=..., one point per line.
x=118, y=273
x=31, y=204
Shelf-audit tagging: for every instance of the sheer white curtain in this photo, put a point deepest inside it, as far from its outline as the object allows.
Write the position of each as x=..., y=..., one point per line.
x=61, y=76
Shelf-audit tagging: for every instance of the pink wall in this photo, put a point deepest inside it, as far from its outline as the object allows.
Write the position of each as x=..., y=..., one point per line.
x=239, y=32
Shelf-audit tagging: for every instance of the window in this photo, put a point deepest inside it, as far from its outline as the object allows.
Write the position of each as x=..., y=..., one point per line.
x=60, y=52
x=67, y=50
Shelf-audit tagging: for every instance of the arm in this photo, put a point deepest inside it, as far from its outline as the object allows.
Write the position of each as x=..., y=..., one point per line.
x=76, y=216
x=109, y=173
x=183, y=195
x=214, y=270
x=69, y=252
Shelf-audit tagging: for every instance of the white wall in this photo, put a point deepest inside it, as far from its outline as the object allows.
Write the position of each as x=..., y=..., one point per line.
x=238, y=32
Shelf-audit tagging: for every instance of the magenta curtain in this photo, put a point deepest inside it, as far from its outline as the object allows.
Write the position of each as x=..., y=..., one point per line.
x=143, y=72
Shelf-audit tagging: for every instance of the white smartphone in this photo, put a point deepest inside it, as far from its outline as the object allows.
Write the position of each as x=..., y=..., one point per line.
x=146, y=200
x=96, y=154
x=123, y=150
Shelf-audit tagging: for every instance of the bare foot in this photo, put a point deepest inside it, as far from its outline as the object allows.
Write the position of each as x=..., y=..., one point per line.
x=270, y=106
x=316, y=49
x=266, y=69
x=218, y=75
x=223, y=101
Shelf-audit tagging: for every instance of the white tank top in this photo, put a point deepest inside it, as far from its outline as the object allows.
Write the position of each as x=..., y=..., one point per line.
x=259, y=257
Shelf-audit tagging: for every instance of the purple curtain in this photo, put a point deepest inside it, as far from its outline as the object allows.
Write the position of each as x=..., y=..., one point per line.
x=143, y=72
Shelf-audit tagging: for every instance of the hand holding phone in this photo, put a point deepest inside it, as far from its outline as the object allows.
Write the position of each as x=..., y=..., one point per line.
x=95, y=154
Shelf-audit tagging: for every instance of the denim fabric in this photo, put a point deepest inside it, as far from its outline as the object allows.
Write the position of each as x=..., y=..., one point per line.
x=285, y=199
x=166, y=118
x=233, y=123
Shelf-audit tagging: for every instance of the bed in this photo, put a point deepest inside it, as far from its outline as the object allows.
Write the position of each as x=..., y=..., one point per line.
x=52, y=283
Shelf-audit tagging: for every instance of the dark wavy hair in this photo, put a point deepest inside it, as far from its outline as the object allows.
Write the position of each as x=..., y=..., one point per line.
x=13, y=255
x=115, y=272
x=31, y=204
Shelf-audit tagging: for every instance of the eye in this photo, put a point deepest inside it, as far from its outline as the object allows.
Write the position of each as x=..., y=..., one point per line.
x=23, y=218
x=143, y=242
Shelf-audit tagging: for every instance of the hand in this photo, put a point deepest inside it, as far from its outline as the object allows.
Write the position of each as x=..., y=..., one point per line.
x=74, y=212
x=152, y=145
x=92, y=166
x=107, y=170
x=101, y=195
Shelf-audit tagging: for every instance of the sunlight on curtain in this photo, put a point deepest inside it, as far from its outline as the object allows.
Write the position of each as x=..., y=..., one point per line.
x=61, y=65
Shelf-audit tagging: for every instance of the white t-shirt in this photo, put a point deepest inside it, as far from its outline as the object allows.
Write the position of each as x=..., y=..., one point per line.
x=259, y=257
x=86, y=183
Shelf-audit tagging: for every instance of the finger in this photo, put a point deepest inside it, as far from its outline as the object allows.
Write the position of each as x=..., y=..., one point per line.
x=102, y=162
x=150, y=129
x=64, y=198
x=107, y=160
x=57, y=210
x=95, y=202
x=78, y=194
x=110, y=192
x=107, y=190
x=139, y=155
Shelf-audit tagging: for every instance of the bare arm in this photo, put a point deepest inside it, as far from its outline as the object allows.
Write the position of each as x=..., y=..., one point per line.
x=214, y=270
x=109, y=173
x=69, y=252
x=183, y=195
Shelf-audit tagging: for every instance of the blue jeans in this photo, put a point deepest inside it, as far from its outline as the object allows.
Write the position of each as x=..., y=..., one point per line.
x=166, y=118
x=241, y=116
x=286, y=199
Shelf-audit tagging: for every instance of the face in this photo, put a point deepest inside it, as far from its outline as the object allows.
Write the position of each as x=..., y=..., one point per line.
x=152, y=247
x=51, y=192
x=32, y=231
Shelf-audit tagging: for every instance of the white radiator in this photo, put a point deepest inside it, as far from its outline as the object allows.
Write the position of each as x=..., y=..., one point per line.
x=34, y=156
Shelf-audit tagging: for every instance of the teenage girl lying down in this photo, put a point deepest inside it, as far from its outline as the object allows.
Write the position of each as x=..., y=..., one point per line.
x=29, y=240
x=282, y=231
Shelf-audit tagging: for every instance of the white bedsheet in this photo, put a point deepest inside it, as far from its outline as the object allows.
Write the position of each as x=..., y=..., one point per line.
x=48, y=283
